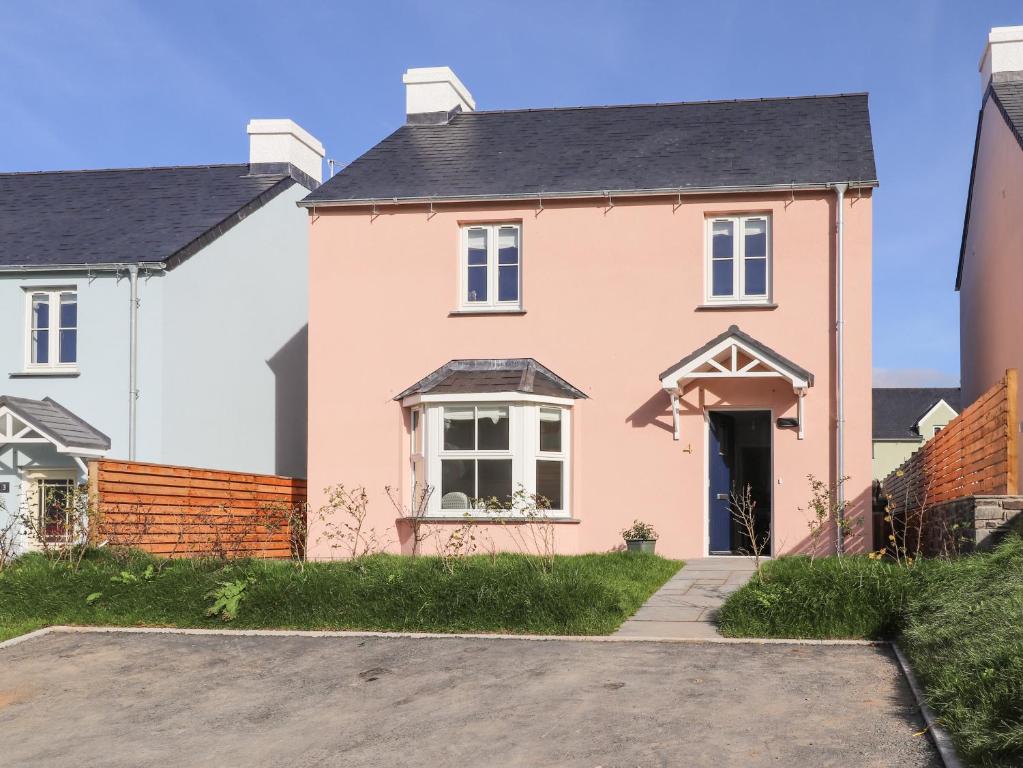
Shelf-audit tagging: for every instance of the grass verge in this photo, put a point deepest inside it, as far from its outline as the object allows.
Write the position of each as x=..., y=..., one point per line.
x=960, y=622
x=585, y=594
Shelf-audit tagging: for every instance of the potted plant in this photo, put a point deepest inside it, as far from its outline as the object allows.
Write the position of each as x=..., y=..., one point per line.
x=640, y=537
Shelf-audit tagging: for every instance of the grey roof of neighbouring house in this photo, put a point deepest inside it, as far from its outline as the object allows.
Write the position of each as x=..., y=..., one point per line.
x=476, y=377
x=688, y=145
x=50, y=417
x=1006, y=92
x=129, y=215
x=759, y=347
x=898, y=409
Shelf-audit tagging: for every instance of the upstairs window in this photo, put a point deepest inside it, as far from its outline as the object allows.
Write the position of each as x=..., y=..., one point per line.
x=52, y=327
x=739, y=259
x=491, y=267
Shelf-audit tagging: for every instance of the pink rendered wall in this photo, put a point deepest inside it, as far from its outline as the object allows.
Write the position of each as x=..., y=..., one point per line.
x=991, y=313
x=611, y=299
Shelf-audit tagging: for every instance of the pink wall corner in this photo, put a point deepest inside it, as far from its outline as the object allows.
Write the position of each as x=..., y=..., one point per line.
x=611, y=299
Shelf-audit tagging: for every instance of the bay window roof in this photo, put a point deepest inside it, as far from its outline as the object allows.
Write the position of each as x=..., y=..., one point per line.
x=491, y=376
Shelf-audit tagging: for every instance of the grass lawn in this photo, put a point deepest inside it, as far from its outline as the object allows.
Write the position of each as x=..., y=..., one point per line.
x=960, y=622
x=585, y=594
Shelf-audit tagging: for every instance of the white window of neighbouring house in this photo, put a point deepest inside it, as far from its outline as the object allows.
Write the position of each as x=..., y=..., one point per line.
x=739, y=259
x=491, y=267
x=49, y=495
x=52, y=329
x=478, y=455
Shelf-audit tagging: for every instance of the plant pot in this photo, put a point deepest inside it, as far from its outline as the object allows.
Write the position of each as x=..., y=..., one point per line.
x=640, y=545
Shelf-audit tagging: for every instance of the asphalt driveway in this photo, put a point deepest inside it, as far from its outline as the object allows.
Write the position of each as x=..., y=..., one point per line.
x=118, y=699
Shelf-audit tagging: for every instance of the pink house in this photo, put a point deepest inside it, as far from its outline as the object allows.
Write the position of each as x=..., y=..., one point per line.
x=991, y=257
x=632, y=311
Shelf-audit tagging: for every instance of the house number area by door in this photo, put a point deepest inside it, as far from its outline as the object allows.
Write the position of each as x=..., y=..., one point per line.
x=5, y=487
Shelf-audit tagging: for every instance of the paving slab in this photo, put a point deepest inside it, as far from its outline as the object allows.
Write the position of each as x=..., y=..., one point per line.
x=125, y=700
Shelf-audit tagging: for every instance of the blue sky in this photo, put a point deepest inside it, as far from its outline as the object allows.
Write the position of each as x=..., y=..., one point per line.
x=106, y=84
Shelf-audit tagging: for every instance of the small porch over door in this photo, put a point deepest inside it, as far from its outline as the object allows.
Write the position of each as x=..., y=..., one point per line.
x=739, y=448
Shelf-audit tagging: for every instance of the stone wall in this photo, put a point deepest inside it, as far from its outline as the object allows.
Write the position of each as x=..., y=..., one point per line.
x=970, y=523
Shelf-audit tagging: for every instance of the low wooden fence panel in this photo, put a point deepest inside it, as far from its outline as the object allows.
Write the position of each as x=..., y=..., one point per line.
x=188, y=512
x=975, y=455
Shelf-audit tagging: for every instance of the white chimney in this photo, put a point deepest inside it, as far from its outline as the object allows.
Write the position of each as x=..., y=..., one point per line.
x=1003, y=52
x=285, y=141
x=435, y=89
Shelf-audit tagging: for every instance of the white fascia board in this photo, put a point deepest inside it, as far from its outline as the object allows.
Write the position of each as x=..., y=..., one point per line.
x=933, y=408
x=671, y=382
x=487, y=397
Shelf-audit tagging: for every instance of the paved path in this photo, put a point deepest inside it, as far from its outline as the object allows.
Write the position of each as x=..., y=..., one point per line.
x=686, y=604
x=127, y=700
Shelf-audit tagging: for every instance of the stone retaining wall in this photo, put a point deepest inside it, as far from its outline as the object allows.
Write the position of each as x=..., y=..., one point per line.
x=970, y=523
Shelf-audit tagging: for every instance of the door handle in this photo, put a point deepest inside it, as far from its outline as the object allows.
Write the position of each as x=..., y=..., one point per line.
x=722, y=497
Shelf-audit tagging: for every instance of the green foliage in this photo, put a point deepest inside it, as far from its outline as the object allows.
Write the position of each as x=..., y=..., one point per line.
x=834, y=597
x=964, y=637
x=227, y=598
x=585, y=594
x=92, y=598
x=639, y=531
x=959, y=621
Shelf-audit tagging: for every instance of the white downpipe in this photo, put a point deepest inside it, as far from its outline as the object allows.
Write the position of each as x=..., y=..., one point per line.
x=839, y=369
x=133, y=334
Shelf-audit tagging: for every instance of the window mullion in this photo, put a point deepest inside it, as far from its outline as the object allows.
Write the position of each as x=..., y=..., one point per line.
x=740, y=258
x=492, y=264
x=54, y=329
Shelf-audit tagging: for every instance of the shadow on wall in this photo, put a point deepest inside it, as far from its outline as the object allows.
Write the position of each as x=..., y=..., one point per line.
x=291, y=392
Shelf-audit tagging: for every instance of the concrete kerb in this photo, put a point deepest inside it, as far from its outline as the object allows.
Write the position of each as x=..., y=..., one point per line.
x=939, y=736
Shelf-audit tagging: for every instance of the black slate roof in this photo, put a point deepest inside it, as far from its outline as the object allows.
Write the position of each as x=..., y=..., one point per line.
x=695, y=145
x=476, y=377
x=898, y=409
x=58, y=422
x=1006, y=92
x=129, y=215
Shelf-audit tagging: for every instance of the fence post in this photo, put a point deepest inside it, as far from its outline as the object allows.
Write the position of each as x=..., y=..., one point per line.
x=1012, y=442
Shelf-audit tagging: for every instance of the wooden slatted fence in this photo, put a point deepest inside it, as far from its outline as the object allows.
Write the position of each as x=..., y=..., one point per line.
x=189, y=512
x=976, y=454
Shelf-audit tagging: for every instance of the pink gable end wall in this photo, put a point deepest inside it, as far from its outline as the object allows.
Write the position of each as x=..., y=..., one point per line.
x=991, y=313
x=610, y=296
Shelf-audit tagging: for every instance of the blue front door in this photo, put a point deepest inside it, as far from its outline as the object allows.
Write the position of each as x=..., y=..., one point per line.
x=720, y=483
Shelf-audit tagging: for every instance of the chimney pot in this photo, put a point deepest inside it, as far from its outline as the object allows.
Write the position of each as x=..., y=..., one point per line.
x=1003, y=52
x=433, y=91
x=285, y=141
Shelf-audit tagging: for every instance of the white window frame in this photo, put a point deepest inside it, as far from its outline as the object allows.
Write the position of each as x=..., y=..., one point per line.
x=31, y=479
x=54, y=328
x=523, y=450
x=492, y=304
x=738, y=295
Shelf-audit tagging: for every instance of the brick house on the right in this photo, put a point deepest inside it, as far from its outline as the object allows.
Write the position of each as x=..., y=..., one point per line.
x=990, y=277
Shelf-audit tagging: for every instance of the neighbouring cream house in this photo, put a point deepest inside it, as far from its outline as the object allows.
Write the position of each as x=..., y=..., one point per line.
x=628, y=310
x=904, y=418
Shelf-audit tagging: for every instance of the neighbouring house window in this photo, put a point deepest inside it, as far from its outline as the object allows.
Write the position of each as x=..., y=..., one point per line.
x=937, y=429
x=51, y=512
x=474, y=453
x=739, y=259
x=52, y=329
x=491, y=267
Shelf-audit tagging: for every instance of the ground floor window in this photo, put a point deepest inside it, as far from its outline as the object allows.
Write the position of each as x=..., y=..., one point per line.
x=50, y=501
x=476, y=455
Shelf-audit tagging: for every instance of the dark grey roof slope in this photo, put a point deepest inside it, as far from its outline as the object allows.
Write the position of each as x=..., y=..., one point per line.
x=1006, y=92
x=762, y=349
x=131, y=215
x=56, y=421
x=689, y=145
x=898, y=409
x=475, y=377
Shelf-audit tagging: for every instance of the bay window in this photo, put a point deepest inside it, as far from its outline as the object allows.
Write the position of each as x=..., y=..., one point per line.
x=739, y=259
x=491, y=267
x=474, y=454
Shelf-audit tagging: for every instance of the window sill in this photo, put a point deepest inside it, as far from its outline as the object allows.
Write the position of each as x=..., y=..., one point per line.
x=485, y=519
x=51, y=373
x=734, y=306
x=486, y=311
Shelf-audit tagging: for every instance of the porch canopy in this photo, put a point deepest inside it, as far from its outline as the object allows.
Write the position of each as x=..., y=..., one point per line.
x=25, y=421
x=733, y=355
